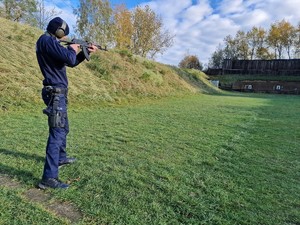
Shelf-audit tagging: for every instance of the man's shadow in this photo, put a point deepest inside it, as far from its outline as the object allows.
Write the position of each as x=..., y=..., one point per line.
x=22, y=175
x=22, y=155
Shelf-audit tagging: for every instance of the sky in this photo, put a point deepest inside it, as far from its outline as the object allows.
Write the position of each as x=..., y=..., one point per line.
x=199, y=26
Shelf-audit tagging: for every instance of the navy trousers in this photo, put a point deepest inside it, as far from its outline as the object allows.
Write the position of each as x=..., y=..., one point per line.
x=57, y=139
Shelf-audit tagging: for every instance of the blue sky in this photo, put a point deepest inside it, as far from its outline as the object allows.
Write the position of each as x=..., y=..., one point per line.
x=200, y=26
x=128, y=3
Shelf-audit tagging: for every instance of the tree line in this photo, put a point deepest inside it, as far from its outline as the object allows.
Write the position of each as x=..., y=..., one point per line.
x=281, y=40
x=139, y=31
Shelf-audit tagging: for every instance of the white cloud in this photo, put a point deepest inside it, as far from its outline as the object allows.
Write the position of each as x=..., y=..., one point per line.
x=228, y=7
x=196, y=13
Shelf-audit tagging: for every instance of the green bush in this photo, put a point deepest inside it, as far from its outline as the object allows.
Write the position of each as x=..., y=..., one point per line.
x=95, y=65
x=125, y=53
x=154, y=78
x=149, y=65
x=162, y=72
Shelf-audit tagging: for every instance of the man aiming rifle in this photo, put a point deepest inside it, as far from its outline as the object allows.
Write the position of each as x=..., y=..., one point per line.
x=84, y=45
x=53, y=58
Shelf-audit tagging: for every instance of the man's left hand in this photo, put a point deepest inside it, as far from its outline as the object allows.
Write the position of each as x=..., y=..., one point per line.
x=92, y=48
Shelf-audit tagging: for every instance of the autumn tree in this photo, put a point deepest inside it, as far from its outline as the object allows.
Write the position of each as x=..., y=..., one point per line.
x=123, y=27
x=231, y=47
x=217, y=58
x=288, y=36
x=242, y=46
x=95, y=21
x=191, y=62
x=18, y=10
x=149, y=37
x=297, y=41
x=273, y=40
x=280, y=37
x=256, y=41
x=236, y=47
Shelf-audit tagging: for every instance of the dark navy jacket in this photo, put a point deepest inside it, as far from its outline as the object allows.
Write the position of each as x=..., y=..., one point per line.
x=53, y=59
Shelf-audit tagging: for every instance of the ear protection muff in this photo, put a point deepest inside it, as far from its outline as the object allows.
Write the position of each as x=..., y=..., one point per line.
x=60, y=32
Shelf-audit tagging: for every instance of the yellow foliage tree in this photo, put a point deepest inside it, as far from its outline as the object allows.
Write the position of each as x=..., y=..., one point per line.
x=281, y=35
x=123, y=27
x=256, y=38
x=149, y=37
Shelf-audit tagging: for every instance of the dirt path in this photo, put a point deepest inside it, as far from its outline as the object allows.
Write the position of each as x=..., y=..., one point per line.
x=61, y=209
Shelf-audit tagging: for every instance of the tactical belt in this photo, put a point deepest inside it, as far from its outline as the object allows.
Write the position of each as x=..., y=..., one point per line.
x=56, y=90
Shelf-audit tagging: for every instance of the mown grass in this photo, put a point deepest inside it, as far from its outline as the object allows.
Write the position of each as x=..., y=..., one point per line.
x=14, y=210
x=201, y=159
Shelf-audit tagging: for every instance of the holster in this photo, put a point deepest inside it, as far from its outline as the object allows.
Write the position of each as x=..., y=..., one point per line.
x=56, y=114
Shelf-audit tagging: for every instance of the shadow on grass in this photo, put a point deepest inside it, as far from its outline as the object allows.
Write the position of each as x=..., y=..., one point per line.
x=22, y=155
x=22, y=175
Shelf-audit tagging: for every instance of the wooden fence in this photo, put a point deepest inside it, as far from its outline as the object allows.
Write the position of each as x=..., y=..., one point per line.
x=275, y=67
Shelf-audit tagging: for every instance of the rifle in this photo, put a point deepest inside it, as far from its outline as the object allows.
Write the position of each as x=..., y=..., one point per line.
x=84, y=45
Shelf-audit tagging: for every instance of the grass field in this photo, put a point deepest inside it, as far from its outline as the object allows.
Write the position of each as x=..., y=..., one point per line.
x=204, y=159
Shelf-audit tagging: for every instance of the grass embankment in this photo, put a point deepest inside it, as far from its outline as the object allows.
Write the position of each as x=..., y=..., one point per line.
x=113, y=76
x=194, y=160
